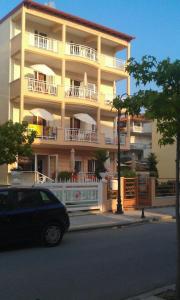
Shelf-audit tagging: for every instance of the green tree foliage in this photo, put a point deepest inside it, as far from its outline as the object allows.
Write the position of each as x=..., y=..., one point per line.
x=14, y=140
x=101, y=157
x=162, y=103
x=152, y=164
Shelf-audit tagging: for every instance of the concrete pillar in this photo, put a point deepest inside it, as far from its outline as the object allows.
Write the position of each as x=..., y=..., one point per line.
x=63, y=38
x=99, y=47
x=98, y=124
x=72, y=160
x=128, y=88
x=63, y=109
x=22, y=58
x=99, y=82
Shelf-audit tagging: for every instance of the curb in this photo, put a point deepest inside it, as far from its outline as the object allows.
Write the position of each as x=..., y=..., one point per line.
x=152, y=294
x=105, y=225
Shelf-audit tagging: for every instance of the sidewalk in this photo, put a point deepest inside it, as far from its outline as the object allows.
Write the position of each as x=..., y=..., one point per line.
x=95, y=220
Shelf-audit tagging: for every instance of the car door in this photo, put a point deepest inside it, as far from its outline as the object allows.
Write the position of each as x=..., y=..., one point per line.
x=24, y=213
x=5, y=228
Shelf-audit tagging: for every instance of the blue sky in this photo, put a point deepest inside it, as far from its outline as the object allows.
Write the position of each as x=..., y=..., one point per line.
x=154, y=23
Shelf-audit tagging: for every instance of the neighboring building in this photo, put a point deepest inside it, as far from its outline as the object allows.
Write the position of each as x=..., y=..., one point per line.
x=140, y=129
x=59, y=73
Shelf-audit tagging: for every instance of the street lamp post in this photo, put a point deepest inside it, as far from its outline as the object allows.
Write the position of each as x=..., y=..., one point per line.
x=119, y=203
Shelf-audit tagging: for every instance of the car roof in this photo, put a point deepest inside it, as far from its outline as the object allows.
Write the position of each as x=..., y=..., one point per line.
x=5, y=188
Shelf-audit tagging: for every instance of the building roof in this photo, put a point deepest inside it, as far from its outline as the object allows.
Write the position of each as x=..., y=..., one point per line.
x=58, y=13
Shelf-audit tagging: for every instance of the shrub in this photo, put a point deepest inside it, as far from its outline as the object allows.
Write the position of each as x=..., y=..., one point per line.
x=64, y=176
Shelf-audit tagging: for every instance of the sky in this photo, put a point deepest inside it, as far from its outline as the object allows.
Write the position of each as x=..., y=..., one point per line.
x=154, y=23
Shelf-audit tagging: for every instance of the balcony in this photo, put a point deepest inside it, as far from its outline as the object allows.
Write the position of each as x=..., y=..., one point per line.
x=78, y=135
x=114, y=62
x=42, y=42
x=140, y=146
x=80, y=92
x=39, y=86
x=108, y=99
x=81, y=51
x=43, y=132
x=113, y=140
x=141, y=129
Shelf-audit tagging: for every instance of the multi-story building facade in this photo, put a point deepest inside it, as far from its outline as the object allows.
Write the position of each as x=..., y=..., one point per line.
x=140, y=137
x=59, y=73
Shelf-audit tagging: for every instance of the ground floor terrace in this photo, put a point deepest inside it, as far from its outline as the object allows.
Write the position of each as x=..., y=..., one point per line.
x=51, y=161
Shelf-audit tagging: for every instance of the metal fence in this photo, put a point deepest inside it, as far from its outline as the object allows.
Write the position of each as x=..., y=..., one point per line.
x=165, y=187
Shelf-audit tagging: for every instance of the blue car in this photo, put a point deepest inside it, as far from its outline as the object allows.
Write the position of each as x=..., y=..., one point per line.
x=31, y=214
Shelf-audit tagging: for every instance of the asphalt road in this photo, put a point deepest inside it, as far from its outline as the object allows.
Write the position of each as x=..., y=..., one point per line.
x=101, y=264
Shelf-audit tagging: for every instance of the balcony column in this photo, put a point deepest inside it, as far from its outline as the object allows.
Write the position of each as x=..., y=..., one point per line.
x=22, y=57
x=128, y=91
x=63, y=38
x=99, y=84
x=98, y=124
x=63, y=109
x=72, y=160
x=99, y=48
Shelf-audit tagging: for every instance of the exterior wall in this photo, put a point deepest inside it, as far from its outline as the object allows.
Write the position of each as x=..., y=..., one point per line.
x=165, y=156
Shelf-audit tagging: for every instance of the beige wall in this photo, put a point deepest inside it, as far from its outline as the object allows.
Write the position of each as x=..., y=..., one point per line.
x=165, y=156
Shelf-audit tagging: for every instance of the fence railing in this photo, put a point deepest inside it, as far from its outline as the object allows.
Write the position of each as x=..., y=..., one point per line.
x=78, y=195
x=81, y=50
x=80, y=135
x=114, y=62
x=165, y=187
x=41, y=86
x=43, y=42
x=80, y=92
x=113, y=140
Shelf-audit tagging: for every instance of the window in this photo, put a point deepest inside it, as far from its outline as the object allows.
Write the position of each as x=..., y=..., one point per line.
x=78, y=166
x=26, y=198
x=46, y=198
x=3, y=200
x=92, y=165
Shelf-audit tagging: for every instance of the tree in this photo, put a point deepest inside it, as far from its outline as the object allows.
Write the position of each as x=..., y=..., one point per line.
x=152, y=164
x=163, y=105
x=101, y=157
x=15, y=140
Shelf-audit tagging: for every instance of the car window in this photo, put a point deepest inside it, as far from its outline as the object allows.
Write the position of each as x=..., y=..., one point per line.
x=3, y=200
x=25, y=198
x=46, y=198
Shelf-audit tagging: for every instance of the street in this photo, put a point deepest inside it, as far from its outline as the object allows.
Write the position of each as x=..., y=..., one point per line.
x=100, y=264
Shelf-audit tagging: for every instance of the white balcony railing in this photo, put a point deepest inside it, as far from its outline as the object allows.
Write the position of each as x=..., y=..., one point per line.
x=109, y=99
x=81, y=50
x=43, y=132
x=114, y=62
x=79, y=135
x=80, y=92
x=113, y=140
x=40, y=86
x=42, y=42
x=140, y=146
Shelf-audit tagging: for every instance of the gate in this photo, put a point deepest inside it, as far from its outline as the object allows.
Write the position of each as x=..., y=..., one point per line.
x=144, y=191
x=137, y=192
x=130, y=193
